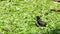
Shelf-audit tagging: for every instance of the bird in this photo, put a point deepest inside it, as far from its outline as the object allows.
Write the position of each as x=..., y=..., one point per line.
x=40, y=22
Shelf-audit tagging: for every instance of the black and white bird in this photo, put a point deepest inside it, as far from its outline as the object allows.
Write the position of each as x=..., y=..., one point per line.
x=40, y=22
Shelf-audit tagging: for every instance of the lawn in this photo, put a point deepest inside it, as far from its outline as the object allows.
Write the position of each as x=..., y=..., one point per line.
x=19, y=17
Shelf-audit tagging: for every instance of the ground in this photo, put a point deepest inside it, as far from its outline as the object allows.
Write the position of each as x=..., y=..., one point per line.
x=19, y=17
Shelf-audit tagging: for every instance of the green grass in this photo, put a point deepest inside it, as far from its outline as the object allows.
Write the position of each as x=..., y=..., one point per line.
x=19, y=17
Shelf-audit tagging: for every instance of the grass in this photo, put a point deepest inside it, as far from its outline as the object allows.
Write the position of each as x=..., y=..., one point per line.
x=19, y=17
